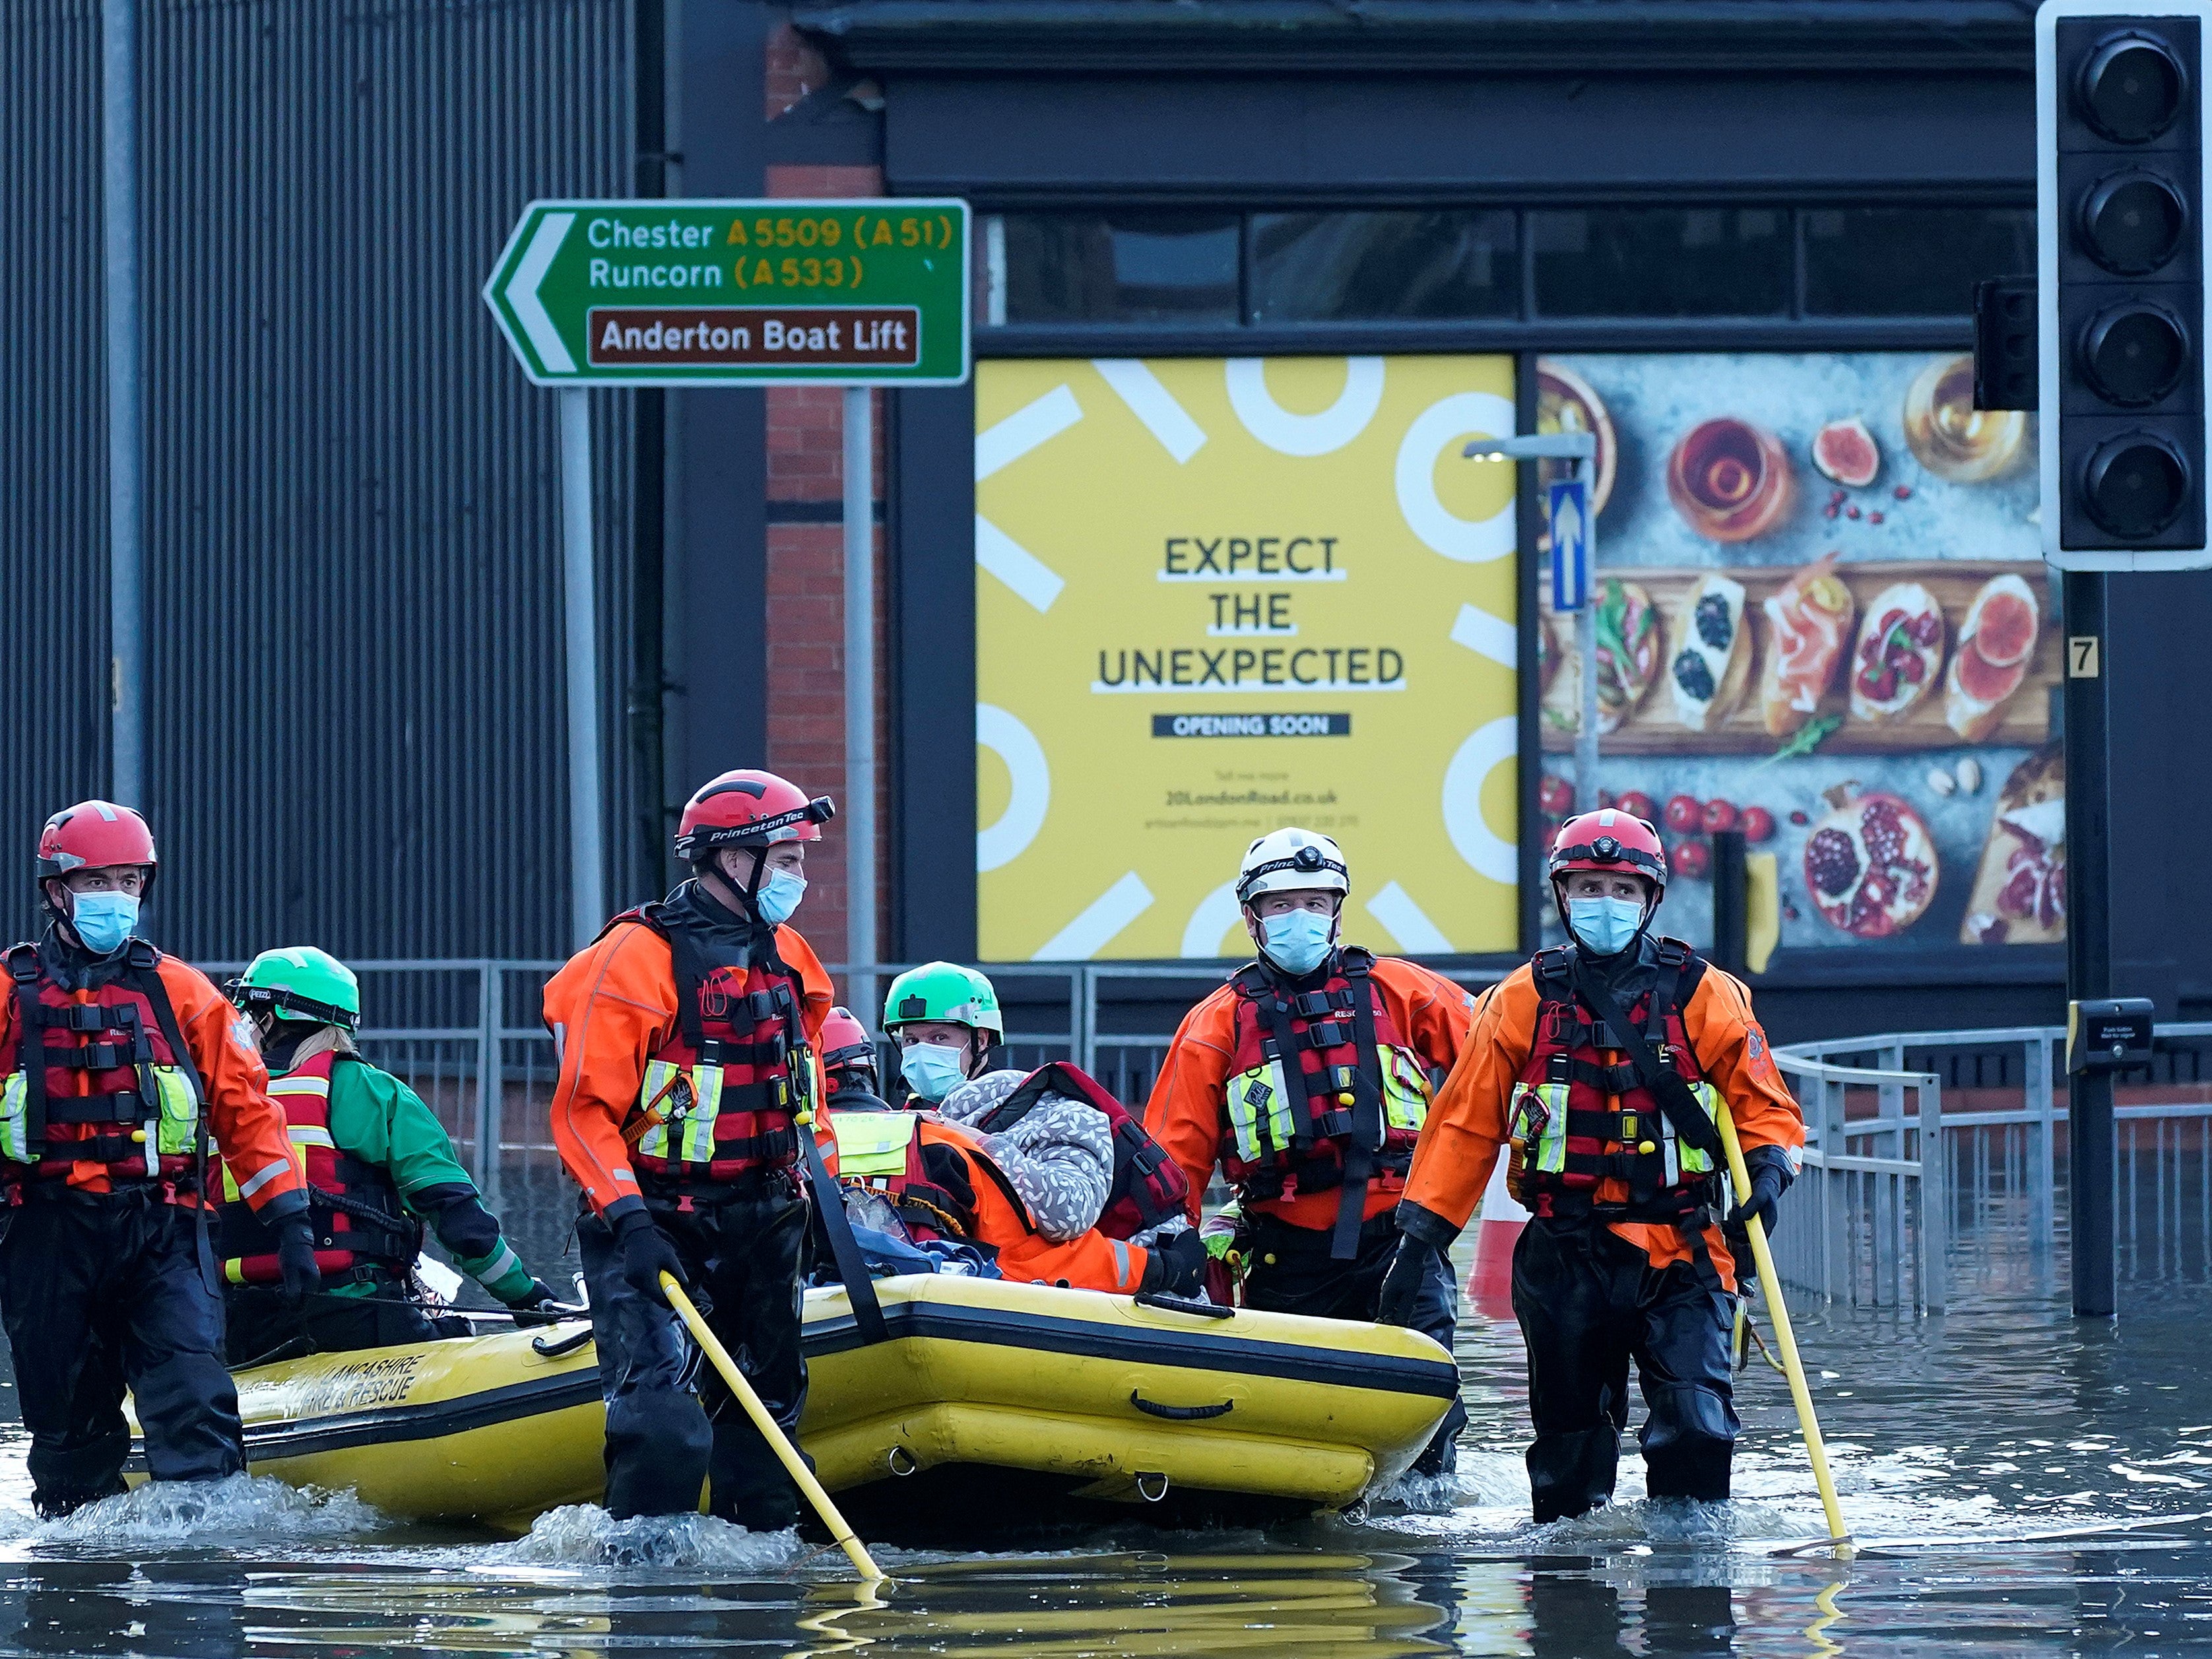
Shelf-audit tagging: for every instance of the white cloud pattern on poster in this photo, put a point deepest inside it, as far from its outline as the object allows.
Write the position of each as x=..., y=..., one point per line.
x=1483, y=850
x=1289, y=433
x=1463, y=415
x=1006, y=840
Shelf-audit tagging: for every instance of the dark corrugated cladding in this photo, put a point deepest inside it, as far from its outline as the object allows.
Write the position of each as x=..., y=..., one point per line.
x=54, y=464
x=356, y=715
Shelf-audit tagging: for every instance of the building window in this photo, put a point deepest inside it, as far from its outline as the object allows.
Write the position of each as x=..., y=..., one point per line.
x=1122, y=268
x=1910, y=262
x=1369, y=266
x=1470, y=264
x=1662, y=262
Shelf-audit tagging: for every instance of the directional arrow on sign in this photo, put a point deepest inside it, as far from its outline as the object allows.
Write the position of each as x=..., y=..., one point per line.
x=522, y=293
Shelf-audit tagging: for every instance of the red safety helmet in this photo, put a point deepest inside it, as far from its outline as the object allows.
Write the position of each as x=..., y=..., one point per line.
x=845, y=1045
x=749, y=809
x=92, y=836
x=1610, y=840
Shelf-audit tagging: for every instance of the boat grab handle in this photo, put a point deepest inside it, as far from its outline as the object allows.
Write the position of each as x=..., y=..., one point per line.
x=1180, y=1414
x=567, y=1344
x=1162, y=1304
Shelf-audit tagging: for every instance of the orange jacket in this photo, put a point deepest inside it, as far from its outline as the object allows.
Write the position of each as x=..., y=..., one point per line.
x=610, y=1009
x=248, y=1127
x=1188, y=1101
x=1468, y=1124
x=1091, y=1261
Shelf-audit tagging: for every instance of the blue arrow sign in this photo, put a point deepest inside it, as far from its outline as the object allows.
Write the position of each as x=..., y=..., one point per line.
x=1570, y=527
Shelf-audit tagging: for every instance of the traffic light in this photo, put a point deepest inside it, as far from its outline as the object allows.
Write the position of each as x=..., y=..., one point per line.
x=2120, y=288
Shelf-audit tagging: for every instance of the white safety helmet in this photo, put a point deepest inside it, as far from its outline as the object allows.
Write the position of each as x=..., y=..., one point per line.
x=1291, y=860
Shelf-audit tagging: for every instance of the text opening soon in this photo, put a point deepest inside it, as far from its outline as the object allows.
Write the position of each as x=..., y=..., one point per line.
x=1251, y=725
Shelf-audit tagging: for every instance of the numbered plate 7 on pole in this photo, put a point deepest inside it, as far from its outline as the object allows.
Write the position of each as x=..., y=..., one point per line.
x=854, y=292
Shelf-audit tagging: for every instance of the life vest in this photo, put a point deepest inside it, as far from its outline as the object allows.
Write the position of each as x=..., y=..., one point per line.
x=1587, y=1137
x=1148, y=1187
x=100, y=1077
x=353, y=1205
x=879, y=1151
x=1324, y=1090
x=721, y=1097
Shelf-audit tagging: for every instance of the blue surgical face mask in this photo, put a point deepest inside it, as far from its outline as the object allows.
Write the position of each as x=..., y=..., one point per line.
x=103, y=920
x=933, y=1071
x=1605, y=927
x=779, y=896
x=1296, y=940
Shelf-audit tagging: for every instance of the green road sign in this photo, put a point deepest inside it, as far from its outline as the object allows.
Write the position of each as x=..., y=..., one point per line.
x=734, y=293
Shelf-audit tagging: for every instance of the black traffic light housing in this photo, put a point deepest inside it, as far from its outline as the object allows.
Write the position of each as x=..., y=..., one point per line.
x=2121, y=291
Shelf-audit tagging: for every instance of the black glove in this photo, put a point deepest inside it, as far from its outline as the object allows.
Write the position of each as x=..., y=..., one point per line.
x=538, y=1306
x=295, y=1258
x=945, y=1169
x=1177, y=1266
x=647, y=1253
x=1401, y=1284
x=1769, y=1169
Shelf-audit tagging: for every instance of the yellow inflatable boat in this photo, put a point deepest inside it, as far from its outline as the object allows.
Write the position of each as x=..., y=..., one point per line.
x=1093, y=1397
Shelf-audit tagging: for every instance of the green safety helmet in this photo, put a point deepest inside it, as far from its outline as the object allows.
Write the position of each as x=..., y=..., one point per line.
x=945, y=991
x=300, y=982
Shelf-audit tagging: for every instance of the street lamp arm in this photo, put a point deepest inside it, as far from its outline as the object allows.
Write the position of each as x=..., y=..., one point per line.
x=1536, y=446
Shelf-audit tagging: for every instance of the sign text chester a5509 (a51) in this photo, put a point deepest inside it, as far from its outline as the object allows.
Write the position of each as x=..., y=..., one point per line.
x=737, y=293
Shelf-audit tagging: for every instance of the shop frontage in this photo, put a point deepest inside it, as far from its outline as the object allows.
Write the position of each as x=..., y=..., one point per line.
x=1222, y=565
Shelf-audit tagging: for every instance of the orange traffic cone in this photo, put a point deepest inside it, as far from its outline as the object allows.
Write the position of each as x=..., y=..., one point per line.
x=1490, y=1287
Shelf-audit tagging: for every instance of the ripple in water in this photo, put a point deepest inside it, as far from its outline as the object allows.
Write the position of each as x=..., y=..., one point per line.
x=585, y=1535
x=241, y=1510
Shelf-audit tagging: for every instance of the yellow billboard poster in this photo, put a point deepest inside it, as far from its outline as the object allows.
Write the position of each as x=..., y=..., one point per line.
x=1216, y=597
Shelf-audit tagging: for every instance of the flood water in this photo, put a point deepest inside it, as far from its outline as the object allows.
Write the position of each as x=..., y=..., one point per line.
x=2023, y=1482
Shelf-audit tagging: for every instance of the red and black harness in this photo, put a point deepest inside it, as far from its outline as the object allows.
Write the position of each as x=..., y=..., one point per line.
x=1333, y=1145
x=1579, y=1015
x=756, y=1036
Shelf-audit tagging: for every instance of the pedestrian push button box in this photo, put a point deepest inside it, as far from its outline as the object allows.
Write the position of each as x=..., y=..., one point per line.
x=2108, y=1034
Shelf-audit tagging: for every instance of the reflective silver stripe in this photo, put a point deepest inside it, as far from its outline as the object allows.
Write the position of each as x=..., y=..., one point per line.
x=502, y=1265
x=263, y=1177
x=306, y=1134
x=1120, y=1261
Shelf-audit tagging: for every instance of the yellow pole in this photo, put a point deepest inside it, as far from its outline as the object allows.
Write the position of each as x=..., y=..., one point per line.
x=787, y=1454
x=1786, y=1339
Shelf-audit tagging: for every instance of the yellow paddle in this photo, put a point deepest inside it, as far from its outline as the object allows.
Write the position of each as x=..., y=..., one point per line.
x=786, y=1454
x=1786, y=1340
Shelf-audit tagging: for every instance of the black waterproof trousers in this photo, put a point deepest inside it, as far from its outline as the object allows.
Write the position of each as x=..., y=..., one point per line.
x=381, y=1314
x=1589, y=1301
x=672, y=1421
x=101, y=1293
x=1289, y=1270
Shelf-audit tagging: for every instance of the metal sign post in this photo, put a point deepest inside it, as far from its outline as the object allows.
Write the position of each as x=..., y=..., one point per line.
x=119, y=25
x=1574, y=539
x=860, y=703
x=855, y=294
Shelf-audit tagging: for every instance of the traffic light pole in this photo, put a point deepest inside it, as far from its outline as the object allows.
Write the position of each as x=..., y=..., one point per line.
x=2091, y=1140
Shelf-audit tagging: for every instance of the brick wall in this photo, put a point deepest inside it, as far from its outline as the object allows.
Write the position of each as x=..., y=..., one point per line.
x=806, y=586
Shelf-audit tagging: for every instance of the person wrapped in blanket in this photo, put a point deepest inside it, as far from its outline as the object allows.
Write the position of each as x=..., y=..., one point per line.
x=1021, y=1176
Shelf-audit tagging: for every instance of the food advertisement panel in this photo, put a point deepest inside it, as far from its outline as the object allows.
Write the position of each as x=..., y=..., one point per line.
x=1822, y=619
x=1213, y=597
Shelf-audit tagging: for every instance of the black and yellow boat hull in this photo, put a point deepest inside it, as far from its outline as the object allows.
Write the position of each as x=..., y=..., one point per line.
x=1110, y=1398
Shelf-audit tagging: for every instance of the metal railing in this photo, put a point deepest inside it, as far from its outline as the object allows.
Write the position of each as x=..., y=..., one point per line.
x=2003, y=1154
x=1861, y=1217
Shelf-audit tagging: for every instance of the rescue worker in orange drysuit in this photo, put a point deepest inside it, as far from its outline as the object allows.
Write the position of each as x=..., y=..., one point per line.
x=1601, y=1065
x=121, y=1062
x=688, y=1033
x=1307, y=1078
